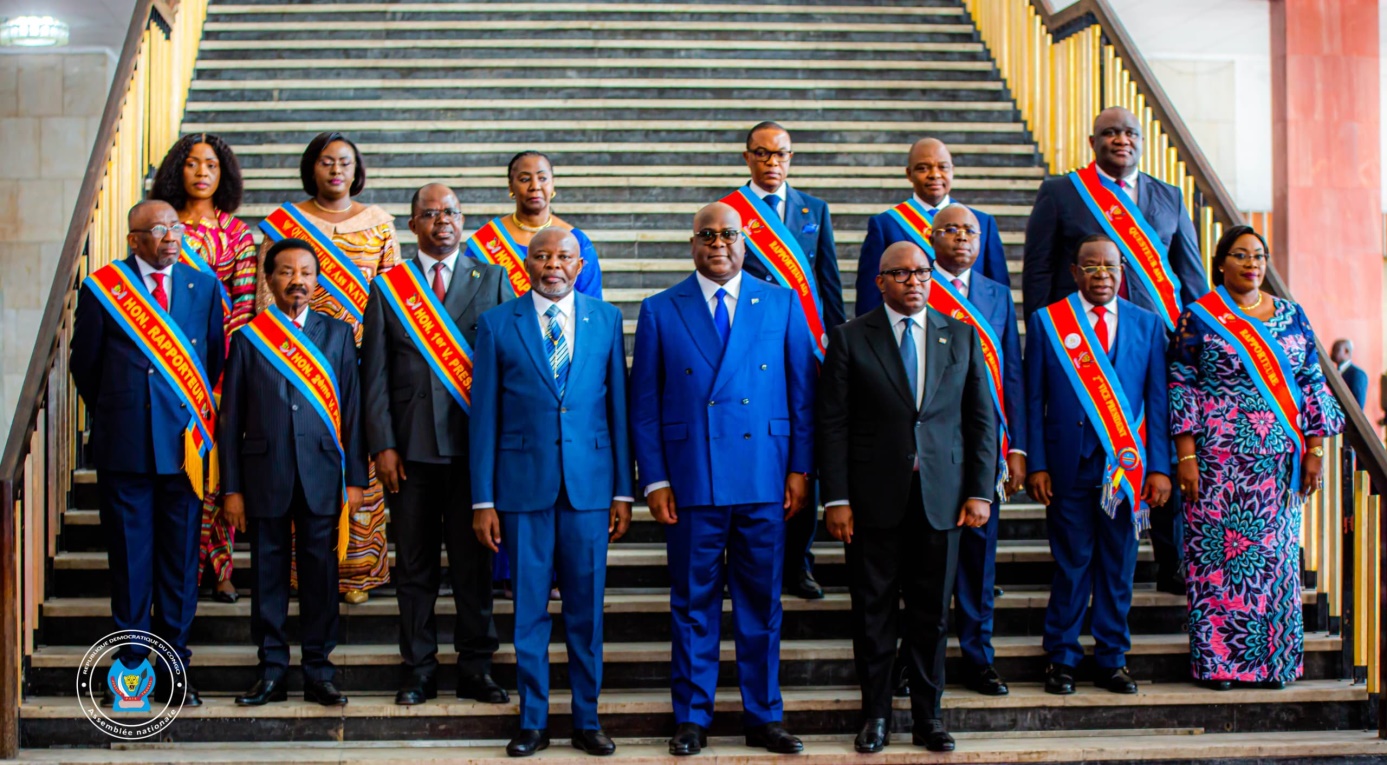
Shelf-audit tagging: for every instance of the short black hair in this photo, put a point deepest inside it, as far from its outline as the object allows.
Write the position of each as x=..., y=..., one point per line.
x=287, y=244
x=510, y=166
x=315, y=150
x=766, y=125
x=1225, y=245
x=1090, y=239
x=168, y=179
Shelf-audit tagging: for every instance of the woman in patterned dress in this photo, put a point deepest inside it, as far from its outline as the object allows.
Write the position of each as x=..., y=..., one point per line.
x=333, y=174
x=201, y=178
x=1242, y=508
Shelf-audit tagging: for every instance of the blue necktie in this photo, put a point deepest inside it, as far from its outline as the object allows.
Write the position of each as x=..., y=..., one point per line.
x=773, y=202
x=556, y=346
x=910, y=356
x=721, y=318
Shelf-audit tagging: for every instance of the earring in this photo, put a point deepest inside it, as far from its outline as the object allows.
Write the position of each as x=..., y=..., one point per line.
x=512, y=195
x=553, y=194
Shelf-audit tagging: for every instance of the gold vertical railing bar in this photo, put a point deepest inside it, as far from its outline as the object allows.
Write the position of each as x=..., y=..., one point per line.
x=1360, y=570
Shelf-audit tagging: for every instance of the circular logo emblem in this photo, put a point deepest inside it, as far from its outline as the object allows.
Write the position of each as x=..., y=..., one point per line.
x=1127, y=458
x=131, y=665
x=1071, y=341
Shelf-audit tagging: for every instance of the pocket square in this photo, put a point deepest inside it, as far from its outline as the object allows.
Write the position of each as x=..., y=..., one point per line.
x=809, y=228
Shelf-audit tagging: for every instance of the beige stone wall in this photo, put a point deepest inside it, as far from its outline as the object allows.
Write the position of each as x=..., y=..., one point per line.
x=50, y=105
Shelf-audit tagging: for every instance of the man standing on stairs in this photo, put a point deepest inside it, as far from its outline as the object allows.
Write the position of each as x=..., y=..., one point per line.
x=1162, y=267
x=930, y=170
x=416, y=427
x=807, y=233
x=147, y=343
x=551, y=473
x=722, y=422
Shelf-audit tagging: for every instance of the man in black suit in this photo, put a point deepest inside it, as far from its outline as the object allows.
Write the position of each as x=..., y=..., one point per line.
x=284, y=469
x=418, y=434
x=1354, y=376
x=907, y=458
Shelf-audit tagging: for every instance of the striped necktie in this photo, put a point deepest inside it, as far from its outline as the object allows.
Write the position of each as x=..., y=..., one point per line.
x=557, y=348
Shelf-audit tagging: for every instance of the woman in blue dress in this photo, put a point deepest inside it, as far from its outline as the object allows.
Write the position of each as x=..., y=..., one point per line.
x=1242, y=503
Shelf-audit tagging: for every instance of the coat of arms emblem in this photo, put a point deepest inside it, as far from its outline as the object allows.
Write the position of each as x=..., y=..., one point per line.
x=131, y=687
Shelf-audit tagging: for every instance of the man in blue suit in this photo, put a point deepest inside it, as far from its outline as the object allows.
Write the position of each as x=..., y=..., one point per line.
x=767, y=156
x=722, y=422
x=551, y=473
x=1060, y=220
x=1354, y=376
x=930, y=170
x=150, y=513
x=1095, y=553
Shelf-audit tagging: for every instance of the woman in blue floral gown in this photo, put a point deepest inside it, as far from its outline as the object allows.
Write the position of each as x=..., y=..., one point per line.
x=1242, y=514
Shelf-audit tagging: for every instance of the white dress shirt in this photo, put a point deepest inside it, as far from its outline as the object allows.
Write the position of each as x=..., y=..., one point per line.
x=147, y=274
x=1110, y=318
x=1130, y=180
x=449, y=265
x=945, y=202
x=966, y=277
x=783, y=192
x=302, y=317
x=710, y=294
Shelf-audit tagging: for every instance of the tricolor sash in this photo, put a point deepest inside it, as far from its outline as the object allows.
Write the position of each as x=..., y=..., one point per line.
x=770, y=241
x=917, y=222
x=1264, y=359
x=493, y=244
x=1139, y=243
x=1101, y=395
x=189, y=255
x=122, y=293
x=950, y=302
x=338, y=276
x=290, y=351
x=433, y=331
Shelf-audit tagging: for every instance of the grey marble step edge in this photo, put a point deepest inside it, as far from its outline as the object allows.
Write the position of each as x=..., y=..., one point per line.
x=324, y=9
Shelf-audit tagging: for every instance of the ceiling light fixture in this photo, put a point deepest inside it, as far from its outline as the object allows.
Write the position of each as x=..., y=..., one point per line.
x=33, y=32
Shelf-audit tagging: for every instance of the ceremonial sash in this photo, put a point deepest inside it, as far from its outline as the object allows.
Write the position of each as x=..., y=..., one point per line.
x=950, y=302
x=290, y=351
x=917, y=222
x=431, y=328
x=1101, y=395
x=769, y=240
x=1263, y=358
x=122, y=293
x=493, y=244
x=189, y=256
x=338, y=276
x=1139, y=243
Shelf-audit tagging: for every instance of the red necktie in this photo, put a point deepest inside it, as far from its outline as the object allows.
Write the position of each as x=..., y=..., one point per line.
x=159, y=293
x=438, y=288
x=298, y=324
x=1100, y=327
x=958, y=285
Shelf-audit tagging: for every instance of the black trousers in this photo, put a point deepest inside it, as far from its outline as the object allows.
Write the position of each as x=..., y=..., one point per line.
x=917, y=563
x=272, y=543
x=435, y=503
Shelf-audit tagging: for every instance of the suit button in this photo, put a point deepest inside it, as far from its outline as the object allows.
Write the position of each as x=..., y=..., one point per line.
x=747, y=436
x=688, y=371
x=763, y=367
x=563, y=410
x=710, y=403
x=149, y=371
x=770, y=278
x=746, y=401
x=295, y=407
x=195, y=341
x=182, y=406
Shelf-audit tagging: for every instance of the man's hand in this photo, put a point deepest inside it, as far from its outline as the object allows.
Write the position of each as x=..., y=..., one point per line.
x=234, y=511
x=620, y=520
x=390, y=469
x=1038, y=486
x=356, y=497
x=661, y=503
x=486, y=524
x=1016, y=473
x=796, y=493
x=1156, y=491
x=839, y=521
x=974, y=513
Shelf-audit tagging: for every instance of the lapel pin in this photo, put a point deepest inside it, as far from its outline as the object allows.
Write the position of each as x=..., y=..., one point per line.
x=943, y=341
x=585, y=320
x=475, y=274
x=754, y=301
x=804, y=210
x=190, y=285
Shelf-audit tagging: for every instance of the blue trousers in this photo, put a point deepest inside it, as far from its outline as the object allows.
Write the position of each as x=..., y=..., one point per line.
x=973, y=595
x=742, y=546
x=1095, y=558
x=152, y=524
x=573, y=544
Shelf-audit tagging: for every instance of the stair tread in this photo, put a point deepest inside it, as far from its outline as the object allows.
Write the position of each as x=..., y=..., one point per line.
x=666, y=147
x=803, y=174
x=561, y=7
x=461, y=83
x=720, y=64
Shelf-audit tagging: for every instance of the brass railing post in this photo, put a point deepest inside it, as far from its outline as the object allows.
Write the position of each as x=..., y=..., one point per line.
x=1347, y=604
x=10, y=652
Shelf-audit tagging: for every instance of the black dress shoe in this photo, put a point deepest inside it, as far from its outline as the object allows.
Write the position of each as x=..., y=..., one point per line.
x=527, y=742
x=225, y=597
x=416, y=690
x=1116, y=681
x=192, y=698
x=689, y=738
x=481, y=688
x=805, y=586
x=1217, y=685
x=263, y=692
x=165, y=692
x=987, y=682
x=1059, y=679
x=324, y=693
x=932, y=736
x=774, y=739
x=593, y=742
x=1271, y=685
x=873, y=737
x=900, y=686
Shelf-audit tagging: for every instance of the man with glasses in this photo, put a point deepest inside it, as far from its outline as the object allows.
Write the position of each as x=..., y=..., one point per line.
x=907, y=440
x=152, y=426
x=417, y=431
x=930, y=170
x=722, y=424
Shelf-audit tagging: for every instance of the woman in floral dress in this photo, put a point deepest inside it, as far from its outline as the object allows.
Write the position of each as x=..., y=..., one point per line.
x=201, y=178
x=1236, y=468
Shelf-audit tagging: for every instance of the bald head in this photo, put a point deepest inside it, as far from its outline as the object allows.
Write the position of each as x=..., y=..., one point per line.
x=554, y=236
x=930, y=169
x=147, y=213
x=1116, y=141
x=901, y=254
x=904, y=259
x=553, y=261
x=714, y=256
x=954, y=236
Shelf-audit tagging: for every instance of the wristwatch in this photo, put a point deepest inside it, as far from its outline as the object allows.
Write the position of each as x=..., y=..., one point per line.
x=1318, y=451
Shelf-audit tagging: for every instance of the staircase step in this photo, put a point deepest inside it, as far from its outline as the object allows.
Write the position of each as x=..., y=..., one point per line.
x=217, y=90
x=530, y=10
x=500, y=105
x=1022, y=155
x=732, y=172
x=715, y=67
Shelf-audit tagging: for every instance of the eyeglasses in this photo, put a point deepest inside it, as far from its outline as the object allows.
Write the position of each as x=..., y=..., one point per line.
x=968, y=232
x=763, y=156
x=447, y=212
x=160, y=231
x=903, y=275
x=728, y=235
x=1095, y=270
x=1243, y=257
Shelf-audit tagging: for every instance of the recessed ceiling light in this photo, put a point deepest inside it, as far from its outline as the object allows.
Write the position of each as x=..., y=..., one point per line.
x=33, y=32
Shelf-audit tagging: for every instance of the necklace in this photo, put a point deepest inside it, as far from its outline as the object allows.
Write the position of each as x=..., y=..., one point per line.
x=314, y=202
x=1253, y=307
x=533, y=229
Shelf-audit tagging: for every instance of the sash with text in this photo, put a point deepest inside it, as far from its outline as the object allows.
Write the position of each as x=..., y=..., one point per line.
x=338, y=276
x=493, y=244
x=917, y=222
x=433, y=331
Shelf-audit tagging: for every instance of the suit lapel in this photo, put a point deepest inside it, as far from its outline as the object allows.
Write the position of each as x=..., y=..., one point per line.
x=1146, y=198
x=526, y=323
x=180, y=297
x=882, y=340
x=795, y=220
x=746, y=323
x=582, y=322
x=937, y=353
x=462, y=290
x=688, y=300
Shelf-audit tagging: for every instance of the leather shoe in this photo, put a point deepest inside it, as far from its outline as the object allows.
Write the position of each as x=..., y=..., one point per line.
x=1059, y=679
x=900, y=688
x=324, y=693
x=933, y=736
x=1116, y=680
x=1272, y=685
x=416, y=690
x=192, y=698
x=987, y=682
x=689, y=738
x=527, y=742
x=1217, y=685
x=593, y=742
x=263, y=692
x=805, y=586
x=481, y=688
x=774, y=739
x=165, y=692
x=873, y=737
